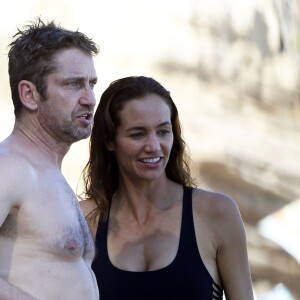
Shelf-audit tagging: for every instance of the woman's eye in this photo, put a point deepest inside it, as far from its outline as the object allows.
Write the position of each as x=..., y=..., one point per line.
x=163, y=132
x=137, y=135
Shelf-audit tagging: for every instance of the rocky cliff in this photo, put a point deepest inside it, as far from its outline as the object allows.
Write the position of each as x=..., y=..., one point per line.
x=240, y=108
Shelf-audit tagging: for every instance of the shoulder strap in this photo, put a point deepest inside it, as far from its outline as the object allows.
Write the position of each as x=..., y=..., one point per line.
x=102, y=229
x=187, y=234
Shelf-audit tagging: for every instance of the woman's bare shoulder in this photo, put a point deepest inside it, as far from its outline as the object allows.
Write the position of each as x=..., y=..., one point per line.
x=87, y=206
x=218, y=206
x=217, y=209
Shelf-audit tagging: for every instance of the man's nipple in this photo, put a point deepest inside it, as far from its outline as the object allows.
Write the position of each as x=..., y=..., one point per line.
x=73, y=246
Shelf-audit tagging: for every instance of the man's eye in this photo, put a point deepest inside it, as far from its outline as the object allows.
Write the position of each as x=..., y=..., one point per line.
x=73, y=83
x=92, y=84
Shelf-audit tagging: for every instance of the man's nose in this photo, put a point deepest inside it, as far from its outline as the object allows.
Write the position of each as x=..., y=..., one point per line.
x=88, y=97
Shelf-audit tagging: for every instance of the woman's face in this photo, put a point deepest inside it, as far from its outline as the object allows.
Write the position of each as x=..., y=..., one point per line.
x=144, y=139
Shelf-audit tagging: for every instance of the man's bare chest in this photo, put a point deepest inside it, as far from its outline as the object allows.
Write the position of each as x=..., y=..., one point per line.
x=50, y=219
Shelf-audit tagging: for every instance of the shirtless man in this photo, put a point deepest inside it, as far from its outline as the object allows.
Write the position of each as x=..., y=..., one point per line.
x=46, y=249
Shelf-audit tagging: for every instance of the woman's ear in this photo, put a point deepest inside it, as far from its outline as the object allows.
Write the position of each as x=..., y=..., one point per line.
x=110, y=146
x=28, y=94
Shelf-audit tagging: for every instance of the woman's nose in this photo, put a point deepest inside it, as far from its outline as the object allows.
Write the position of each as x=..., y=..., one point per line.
x=152, y=143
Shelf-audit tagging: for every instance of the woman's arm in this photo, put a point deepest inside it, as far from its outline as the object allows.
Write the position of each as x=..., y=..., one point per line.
x=232, y=257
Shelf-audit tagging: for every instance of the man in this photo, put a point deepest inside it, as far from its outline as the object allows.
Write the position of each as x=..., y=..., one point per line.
x=45, y=246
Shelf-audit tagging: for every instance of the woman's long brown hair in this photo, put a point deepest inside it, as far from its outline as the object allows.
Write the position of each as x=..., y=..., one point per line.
x=101, y=173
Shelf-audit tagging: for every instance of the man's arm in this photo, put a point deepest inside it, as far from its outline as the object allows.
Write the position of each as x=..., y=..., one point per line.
x=11, y=191
x=10, y=292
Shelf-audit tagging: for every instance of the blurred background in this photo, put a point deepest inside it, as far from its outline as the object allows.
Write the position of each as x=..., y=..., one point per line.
x=233, y=69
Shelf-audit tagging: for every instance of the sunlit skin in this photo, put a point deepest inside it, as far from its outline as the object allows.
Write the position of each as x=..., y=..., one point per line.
x=68, y=110
x=142, y=148
x=146, y=208
x=144, y=140
x=46, y=248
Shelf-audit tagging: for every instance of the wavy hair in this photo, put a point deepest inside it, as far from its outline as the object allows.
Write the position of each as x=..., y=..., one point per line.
x=101, y=173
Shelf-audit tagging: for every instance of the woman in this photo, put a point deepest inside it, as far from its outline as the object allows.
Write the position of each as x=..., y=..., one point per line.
x=156, y=236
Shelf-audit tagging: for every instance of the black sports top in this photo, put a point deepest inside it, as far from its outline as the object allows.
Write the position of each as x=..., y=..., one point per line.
x=185, y=278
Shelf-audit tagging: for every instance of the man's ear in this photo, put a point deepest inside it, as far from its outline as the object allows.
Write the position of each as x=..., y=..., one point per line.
x=28, y=94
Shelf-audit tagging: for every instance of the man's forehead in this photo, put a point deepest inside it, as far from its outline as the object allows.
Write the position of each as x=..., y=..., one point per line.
x=75, y=64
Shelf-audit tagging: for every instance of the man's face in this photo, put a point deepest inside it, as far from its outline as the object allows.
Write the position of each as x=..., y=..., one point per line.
x=67, y=113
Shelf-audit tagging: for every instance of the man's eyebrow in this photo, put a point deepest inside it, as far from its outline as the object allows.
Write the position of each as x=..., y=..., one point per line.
x=95, y=79
x=81, y=78
x=74, y=78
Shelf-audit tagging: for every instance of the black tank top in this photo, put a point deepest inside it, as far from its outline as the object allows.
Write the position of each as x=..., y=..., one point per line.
x=185, y=278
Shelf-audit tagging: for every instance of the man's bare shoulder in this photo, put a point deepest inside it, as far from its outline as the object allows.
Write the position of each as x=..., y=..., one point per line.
x=17, y=174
